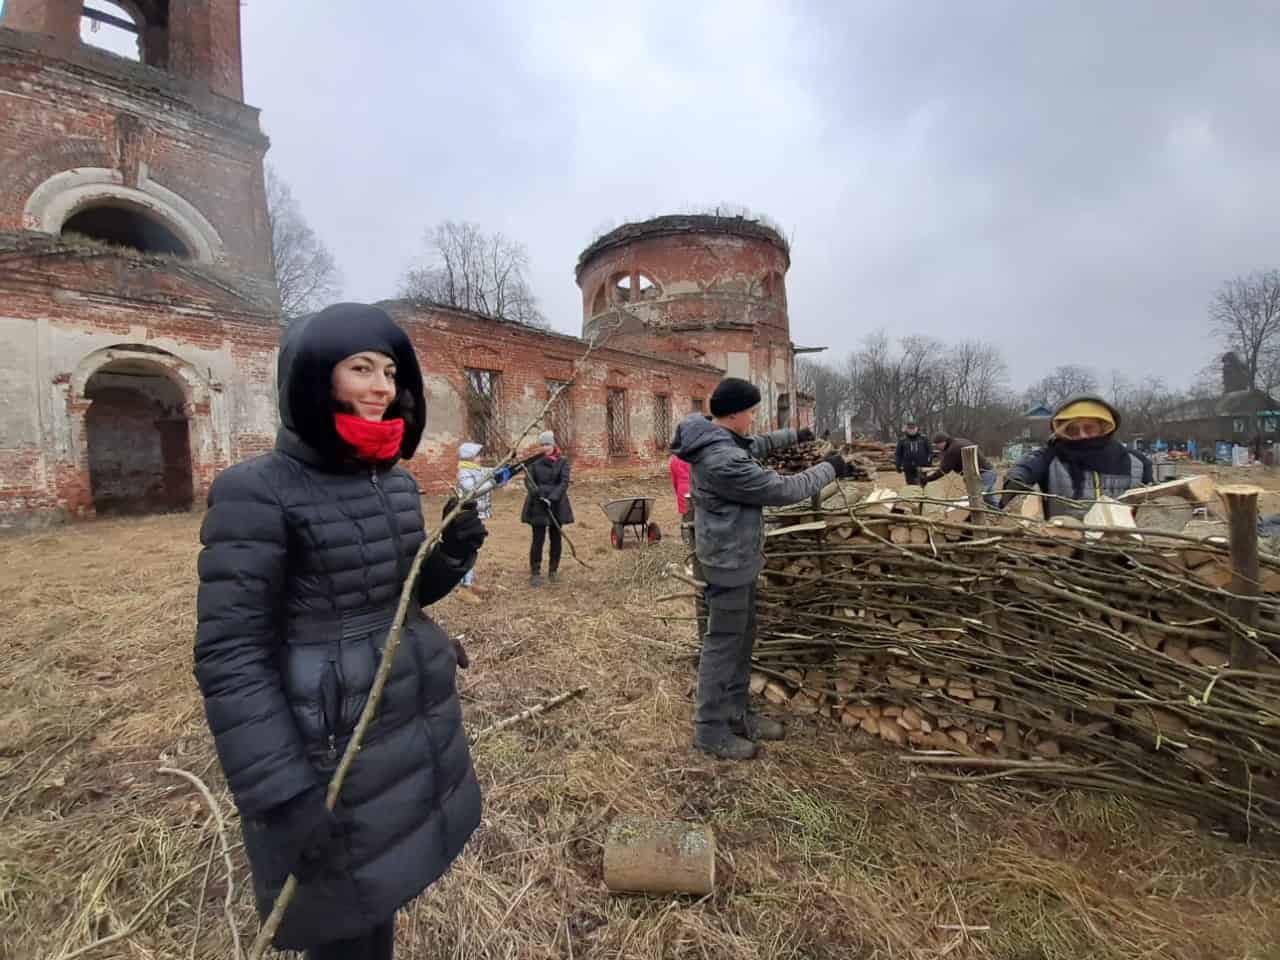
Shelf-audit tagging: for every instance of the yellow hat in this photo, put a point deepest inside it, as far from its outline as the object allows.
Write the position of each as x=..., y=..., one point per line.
x=1085, y=410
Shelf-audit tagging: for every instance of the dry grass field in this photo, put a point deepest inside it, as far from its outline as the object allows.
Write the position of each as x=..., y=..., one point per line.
x=830, y=849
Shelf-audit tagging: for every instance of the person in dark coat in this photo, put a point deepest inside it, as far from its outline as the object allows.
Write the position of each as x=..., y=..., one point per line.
x=912, y=453
x=951, y=460
x=730, y=491
x=546, y=506
x=305, y=552
x=1082, y=461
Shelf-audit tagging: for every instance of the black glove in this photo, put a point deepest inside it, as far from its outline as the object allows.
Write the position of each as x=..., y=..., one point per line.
x=308, y=833
x=460, y=653
x=804, y=435
x=465, y=535
x=840, y=464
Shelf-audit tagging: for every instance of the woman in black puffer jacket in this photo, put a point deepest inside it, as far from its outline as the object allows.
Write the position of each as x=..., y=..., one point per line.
x=305, y=552
x=546, y=505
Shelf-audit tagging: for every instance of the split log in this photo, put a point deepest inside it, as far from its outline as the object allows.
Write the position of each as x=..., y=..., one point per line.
x=1195, y=490
x=642, y=855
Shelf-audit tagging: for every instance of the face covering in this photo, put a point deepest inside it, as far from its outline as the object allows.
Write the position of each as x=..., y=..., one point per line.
x=372, y=440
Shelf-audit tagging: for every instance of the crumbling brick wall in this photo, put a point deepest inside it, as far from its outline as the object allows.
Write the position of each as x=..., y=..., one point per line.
x=527, y=361
x=701, y=288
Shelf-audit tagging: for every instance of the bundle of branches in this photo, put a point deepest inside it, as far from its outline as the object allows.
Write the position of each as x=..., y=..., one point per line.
x=1115, y=659
x=802, y=456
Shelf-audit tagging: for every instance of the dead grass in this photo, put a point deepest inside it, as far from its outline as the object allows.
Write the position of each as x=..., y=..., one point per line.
x=828, y=847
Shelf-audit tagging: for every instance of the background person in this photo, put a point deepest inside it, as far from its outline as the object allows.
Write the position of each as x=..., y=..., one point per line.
x=546, y=506
x=912, y=453
x=951, y=460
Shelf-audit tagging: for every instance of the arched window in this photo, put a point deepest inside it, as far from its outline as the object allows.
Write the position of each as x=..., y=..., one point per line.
x=625, y=288
x=125, y=226
x=112, y=27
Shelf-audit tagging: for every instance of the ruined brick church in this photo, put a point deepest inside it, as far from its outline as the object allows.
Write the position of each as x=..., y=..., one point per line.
x=140, y=321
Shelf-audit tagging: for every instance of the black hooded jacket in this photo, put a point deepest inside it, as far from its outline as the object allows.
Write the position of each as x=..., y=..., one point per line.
x=1079, y=470
x=305, y=551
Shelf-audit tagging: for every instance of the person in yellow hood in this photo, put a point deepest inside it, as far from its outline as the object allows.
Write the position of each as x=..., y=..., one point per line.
x=1082, y=461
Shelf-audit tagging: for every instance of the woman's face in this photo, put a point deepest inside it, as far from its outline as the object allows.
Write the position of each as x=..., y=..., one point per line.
x=365, y=384
x=1082, y=428
x=548, y=448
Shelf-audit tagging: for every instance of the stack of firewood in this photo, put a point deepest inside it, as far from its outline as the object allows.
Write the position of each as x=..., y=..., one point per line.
x=879, y=455
x=802, y=456
x=1093, y=654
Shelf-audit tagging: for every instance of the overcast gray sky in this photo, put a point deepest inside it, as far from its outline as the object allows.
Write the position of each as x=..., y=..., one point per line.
x=1071, y=180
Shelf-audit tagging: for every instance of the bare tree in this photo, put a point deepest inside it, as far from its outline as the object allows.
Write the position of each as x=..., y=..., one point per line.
x=1059, y=384
x=472, y=270
x=306, y=275
x=1245, y=315
x=974, y=390
x=832, y=391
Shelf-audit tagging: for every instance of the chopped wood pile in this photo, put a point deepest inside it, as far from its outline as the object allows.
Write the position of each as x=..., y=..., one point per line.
x=802, y=456
x=1091, y=654
x=879, y=455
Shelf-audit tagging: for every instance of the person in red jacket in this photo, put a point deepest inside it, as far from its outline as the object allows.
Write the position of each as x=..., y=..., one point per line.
x=680, y=481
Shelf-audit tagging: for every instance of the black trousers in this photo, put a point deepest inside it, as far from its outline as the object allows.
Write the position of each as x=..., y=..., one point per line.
x=535, y=548
x=911, y=473
x=377, y=944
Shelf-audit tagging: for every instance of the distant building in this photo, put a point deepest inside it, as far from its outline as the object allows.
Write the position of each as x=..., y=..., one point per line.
x=1241, y=415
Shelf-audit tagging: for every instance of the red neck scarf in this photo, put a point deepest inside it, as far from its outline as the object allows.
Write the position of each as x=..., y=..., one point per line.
x=371, y=439
x=553, y=456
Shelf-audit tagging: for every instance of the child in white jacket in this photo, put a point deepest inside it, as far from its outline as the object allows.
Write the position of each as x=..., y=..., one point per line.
x=470, y=475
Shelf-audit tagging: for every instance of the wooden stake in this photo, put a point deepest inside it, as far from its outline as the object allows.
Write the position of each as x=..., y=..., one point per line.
x=973, y=483
x=1241, y=502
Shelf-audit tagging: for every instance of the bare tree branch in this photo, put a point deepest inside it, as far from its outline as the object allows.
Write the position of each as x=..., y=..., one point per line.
x=1245, y=315
x=306, y=274
x=466, y=268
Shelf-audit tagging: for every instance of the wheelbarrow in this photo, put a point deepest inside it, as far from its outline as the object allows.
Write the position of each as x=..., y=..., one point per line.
x=631, y=514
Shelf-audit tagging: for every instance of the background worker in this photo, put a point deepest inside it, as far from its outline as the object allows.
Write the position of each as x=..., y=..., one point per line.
x=912, y=453
x=546, y=506
x=471, y=476
x=951, y=461
x=729, y=490
x=1082, y=461
x=680, y=483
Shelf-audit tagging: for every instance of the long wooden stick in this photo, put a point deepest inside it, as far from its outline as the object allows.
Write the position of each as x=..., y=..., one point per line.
x=407, y=593
x=216, y=811
x=531, y=712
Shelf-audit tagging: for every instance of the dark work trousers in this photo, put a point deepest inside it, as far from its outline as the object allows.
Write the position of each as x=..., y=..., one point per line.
x=377, y=944
x=724, y=671
x=535, y=548
x=911, y=474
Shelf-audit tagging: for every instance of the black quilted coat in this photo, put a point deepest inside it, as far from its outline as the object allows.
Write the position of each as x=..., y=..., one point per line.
x=305, y=551
x=547, y=480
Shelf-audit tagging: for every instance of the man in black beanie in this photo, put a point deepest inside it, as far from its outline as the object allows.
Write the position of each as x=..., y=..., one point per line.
x=729, y=490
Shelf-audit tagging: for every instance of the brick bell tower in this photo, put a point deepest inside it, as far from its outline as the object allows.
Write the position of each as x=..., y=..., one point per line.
x=138, y=309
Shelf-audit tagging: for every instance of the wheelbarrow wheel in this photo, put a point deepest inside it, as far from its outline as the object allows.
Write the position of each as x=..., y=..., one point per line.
x=617, y=536
x=653, y=532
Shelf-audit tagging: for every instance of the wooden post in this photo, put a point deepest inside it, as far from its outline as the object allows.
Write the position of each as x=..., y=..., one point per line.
x=1241, y=502
x=700, y=603
x=642, y=855
x=973, y=483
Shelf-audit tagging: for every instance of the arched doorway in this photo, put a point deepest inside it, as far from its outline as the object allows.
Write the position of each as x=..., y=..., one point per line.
x=139, y=439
